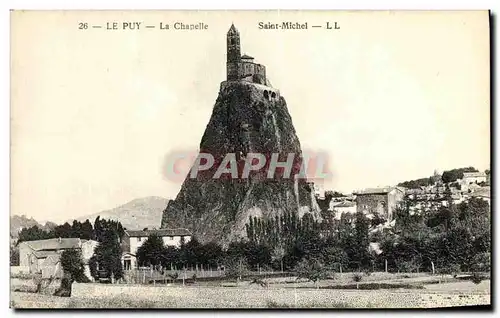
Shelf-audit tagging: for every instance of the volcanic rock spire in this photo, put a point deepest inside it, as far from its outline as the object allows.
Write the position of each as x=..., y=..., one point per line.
x=249, y=117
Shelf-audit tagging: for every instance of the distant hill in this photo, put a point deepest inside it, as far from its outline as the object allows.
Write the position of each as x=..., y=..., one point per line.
x=18, y=222
x=136, y=214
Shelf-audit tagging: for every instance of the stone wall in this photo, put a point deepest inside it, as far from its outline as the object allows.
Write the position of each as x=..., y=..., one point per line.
x=372, y=203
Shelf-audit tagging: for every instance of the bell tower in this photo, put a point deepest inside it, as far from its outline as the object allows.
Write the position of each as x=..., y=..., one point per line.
x=233, y=53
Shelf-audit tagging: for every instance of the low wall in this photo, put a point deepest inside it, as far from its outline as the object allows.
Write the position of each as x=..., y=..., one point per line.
x=220, y=297
x=15, y=270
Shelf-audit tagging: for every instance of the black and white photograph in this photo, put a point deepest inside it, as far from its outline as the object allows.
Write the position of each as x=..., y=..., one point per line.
x=259, y=159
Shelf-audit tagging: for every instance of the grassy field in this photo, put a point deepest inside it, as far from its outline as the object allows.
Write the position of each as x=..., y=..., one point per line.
x=384, y=291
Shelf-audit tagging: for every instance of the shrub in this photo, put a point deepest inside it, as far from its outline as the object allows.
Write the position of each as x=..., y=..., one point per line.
x=312, y=269
x=476, y=278
x=236, y=268
x=357, y=277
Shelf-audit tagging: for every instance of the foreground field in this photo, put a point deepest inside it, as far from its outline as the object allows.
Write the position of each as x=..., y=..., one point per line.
x=280, y=295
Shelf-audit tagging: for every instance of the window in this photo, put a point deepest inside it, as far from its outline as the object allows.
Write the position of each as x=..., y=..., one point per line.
x=127, y=264
x=139, y=239
x=171, y=238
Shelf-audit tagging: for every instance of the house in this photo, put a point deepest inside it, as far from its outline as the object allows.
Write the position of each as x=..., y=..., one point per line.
x=342, y=207
x=379, y=200
x=474, y=177
x=483, y=193
x=133, y=239
x=43, y=256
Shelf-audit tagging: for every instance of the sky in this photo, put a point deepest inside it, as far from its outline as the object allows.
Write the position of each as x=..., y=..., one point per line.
x=390, y=97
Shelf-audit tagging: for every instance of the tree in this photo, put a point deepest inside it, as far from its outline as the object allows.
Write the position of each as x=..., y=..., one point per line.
x=170, y=257
x=278, y=255
x=236, y=268
x=415, y=184
x=312, y=269
x=210, y=254
x=332, y=254
x=76, y=229
x=191, y=252
x=455, y=174
x=14, y=256
x=72, y=264
x=377, y=219
x=361, y=241
x=108, y=255
x=33, y=233
x=93, y=267
x=151, y=251
x=64, y=230
x=87, y=231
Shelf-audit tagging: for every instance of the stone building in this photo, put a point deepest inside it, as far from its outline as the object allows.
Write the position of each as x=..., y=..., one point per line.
x=242, y=67
x=43, y=256
x=133, y=239
x=379, y=200
x=340, y=208
x=474, y=177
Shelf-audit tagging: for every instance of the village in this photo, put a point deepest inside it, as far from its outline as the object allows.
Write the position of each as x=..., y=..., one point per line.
x=266, y=242
x=42, y=260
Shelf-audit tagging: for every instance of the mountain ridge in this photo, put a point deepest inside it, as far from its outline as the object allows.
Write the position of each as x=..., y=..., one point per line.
x=136, y=214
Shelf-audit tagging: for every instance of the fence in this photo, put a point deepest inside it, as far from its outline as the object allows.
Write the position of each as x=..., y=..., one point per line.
x=153, y=276
x=150, y=275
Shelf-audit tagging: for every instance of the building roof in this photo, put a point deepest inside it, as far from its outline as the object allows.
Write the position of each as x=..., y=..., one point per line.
x=44, y=254
x=54, y=244
x=160, y=232
x=483, y=192
x=52, y=260
x=414, y=191
x=345, y=204
x=474, y=174
x=232, y=30
x=247, y=57
x=383, y=190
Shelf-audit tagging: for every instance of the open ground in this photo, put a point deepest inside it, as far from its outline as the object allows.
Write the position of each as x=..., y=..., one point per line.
x=379, y=290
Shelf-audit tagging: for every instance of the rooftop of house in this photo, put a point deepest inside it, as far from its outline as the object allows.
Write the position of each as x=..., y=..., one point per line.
x=414, y=191
x=246, y=57
x=44, y=254
x=52, y=260
x=483, y=192
x=382, y=190
x=160, y=232
x=474, y=174
x=54, y=244
x=344, y=204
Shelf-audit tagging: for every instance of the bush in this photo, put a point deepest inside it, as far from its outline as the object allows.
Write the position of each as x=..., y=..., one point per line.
x=236, y=268
x=476, y=278
x=312, y=269
x=357, y=277
x=65, y=289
